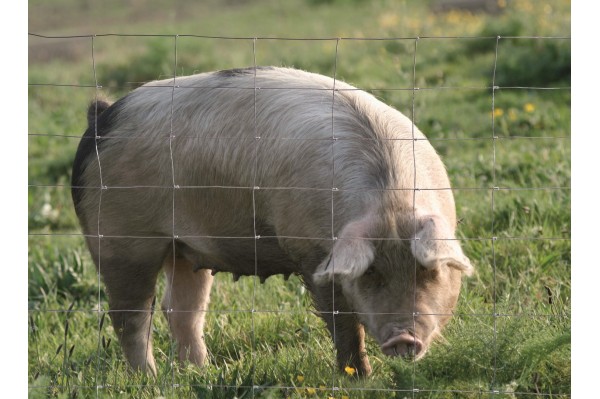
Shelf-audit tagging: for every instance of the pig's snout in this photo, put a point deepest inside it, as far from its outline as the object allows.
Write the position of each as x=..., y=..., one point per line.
x=403, y=344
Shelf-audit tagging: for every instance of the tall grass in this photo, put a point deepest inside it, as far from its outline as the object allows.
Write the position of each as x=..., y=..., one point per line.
x=511, y=180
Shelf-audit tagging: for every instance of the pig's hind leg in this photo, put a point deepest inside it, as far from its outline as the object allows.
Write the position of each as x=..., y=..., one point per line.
x=185, y=304
x=129, y=268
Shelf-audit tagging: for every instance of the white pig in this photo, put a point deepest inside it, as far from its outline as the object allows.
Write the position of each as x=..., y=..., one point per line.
x=264, y=171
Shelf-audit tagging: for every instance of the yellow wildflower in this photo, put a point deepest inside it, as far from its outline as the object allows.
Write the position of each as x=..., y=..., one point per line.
x=350, y=370
x=311, y=391
x=498, y=112
x=526, y=6
x=529, y=107
x=345, y=397
x=300, y=378
x=388, y=20
x=454, y=17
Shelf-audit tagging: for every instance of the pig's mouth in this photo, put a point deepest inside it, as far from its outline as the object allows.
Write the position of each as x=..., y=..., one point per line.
x=404, y=344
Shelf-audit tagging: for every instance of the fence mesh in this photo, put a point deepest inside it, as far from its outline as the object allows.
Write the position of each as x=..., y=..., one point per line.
x=59, y=346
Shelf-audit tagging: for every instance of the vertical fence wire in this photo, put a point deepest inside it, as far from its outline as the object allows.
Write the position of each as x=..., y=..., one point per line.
x=414, y=203
x=99, y=238
x=492, y=228
x=255, y=187
x=174, y=190
x=334, y=311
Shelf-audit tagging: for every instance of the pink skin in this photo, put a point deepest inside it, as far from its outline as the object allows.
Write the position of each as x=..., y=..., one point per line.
x=412, y=342
x=403, y=344
x=402, y=306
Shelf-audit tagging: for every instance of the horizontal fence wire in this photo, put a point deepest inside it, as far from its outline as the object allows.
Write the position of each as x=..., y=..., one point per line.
x=303, y=39
x=493, y=188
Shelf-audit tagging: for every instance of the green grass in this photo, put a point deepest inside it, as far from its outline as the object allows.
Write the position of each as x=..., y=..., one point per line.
x=283, y=350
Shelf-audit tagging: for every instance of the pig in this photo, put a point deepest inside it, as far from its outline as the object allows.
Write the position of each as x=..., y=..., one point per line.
x=261, y=171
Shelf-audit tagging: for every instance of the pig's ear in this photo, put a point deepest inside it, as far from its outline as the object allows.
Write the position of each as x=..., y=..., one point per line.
x=351, y=256
x=435, y=245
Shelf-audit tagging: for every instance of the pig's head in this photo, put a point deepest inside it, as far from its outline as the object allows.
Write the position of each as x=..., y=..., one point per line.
x=403, y=290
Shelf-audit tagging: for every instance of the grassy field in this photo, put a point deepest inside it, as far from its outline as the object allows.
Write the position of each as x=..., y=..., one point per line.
x=507, y=152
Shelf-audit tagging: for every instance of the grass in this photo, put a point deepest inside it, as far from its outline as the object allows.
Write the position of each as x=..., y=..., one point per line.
x=512, y=328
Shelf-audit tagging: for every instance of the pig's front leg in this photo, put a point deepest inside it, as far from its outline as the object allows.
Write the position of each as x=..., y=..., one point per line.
x=347, y=333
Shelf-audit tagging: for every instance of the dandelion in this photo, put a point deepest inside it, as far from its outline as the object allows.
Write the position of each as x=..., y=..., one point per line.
x=350, y=370
x=311, y=391
x=529, y=107
x=300, y=378
x=498, y=112
x=345, y=397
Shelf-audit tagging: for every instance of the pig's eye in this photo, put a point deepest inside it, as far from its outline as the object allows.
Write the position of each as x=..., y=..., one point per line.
x=370, y=271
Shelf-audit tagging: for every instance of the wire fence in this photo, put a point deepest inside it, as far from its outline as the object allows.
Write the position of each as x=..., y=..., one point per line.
x=256, y=385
